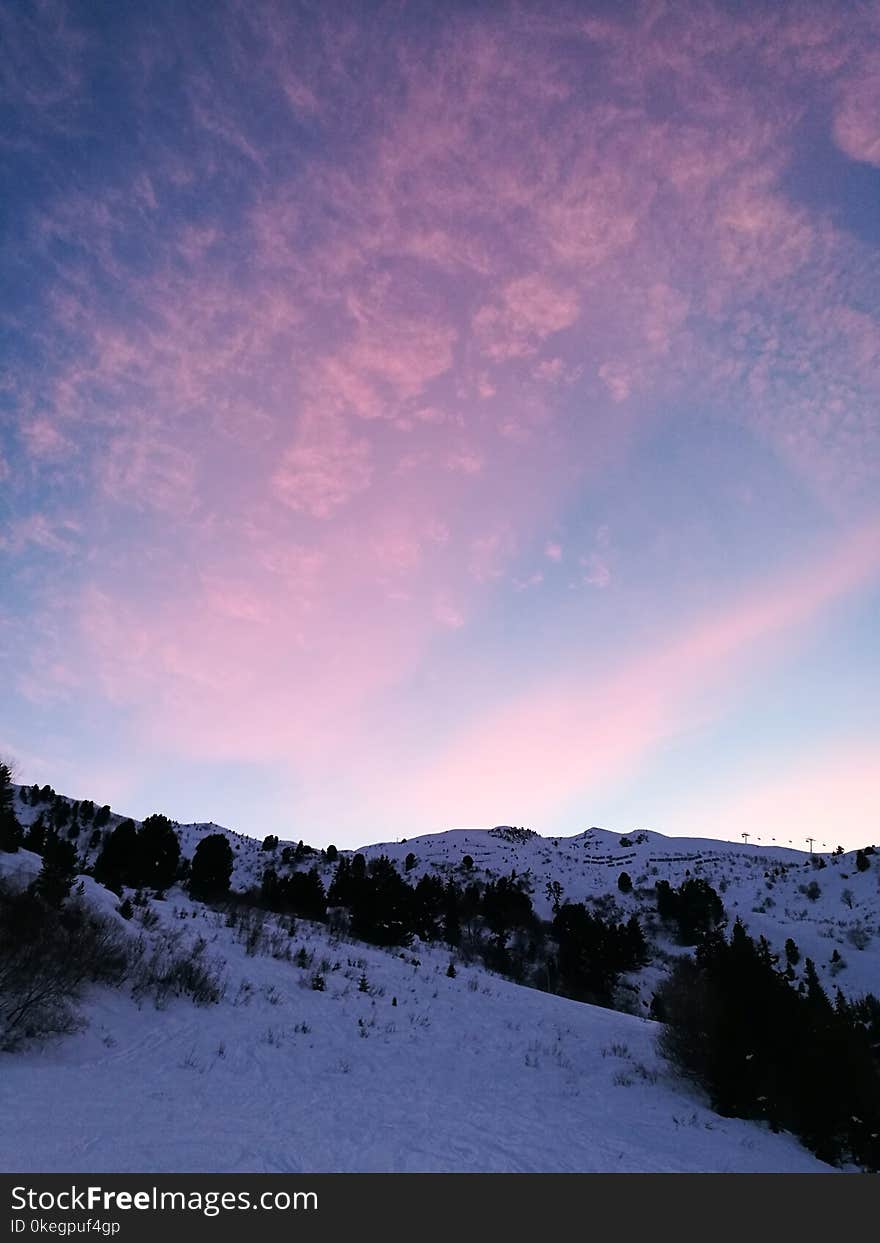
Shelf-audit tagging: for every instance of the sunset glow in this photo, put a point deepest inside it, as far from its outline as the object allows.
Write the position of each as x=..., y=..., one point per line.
x=430, y=415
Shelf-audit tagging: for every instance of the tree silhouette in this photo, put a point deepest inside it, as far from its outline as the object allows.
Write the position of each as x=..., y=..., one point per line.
x=211, y=869
x=10, y=829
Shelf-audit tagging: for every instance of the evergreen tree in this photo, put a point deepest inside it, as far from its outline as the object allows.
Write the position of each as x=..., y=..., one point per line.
x=60, y=814
x=303, y=894
x=699, y=909
x=381, y=904
x=429, y=901
x=469, y=907
x=117, y=863
x=624, y=882
x=58, y=872
x=635, y=947
x=10, y=830
x=211, y=869
x=451, y=914
x=270, y=887
x=340, y=889
x=506, y=906
x=695, y=907
x=763, y=1050
x=667, y=906
x=593, y=952
x=35, y=837
x=158, y=853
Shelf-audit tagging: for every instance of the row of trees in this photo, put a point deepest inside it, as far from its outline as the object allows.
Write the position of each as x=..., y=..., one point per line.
x=594, y=952
x=385, y=909
x=149, y=858
x=763, y=1048
x=56, y=813
x=145, y=857
x=580, y=953
x=694, y=908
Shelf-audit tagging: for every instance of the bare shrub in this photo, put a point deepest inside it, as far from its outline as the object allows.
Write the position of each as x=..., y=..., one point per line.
x=859, y=937
x=47, y=956
x=170, y=967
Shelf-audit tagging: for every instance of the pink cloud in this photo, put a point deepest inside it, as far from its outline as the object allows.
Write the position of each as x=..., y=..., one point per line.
x=44, y=66
x=596, y=571
x=490, y=554
x=235, y=600
x=857, y=116
x=146, y=470
x=529, y=310
x=322, y=470
x=435, y=341
x=467, y=462
x=525, y=584
x=617, y=378
x=59, y=535
x=44, y=439
x=536, y=222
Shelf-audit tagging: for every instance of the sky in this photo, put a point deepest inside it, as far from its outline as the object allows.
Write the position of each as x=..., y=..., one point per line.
x=425, y=415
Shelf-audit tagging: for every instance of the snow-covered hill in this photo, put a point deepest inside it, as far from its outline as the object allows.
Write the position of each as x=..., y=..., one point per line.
x=394, y=1066
x=762, y=885
x=397, y=1065
x=772, y=889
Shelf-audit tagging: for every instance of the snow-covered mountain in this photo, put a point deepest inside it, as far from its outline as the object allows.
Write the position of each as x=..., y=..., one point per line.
x=394, y=1062
x=772, y=889
x=762, y=885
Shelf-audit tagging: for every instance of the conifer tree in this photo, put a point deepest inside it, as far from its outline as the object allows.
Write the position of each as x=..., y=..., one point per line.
x=211, y=869
x=58, y=872
x=35, y=837
x=158, y=853
x=116, y=865
x=10, y=829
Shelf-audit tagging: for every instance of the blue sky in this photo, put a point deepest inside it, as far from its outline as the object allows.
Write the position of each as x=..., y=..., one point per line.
x=417, y=416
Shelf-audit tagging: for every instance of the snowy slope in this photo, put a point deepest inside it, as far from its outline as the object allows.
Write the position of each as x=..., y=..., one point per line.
x=464, y=1073
x=470, y=1073
x=759, y=884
